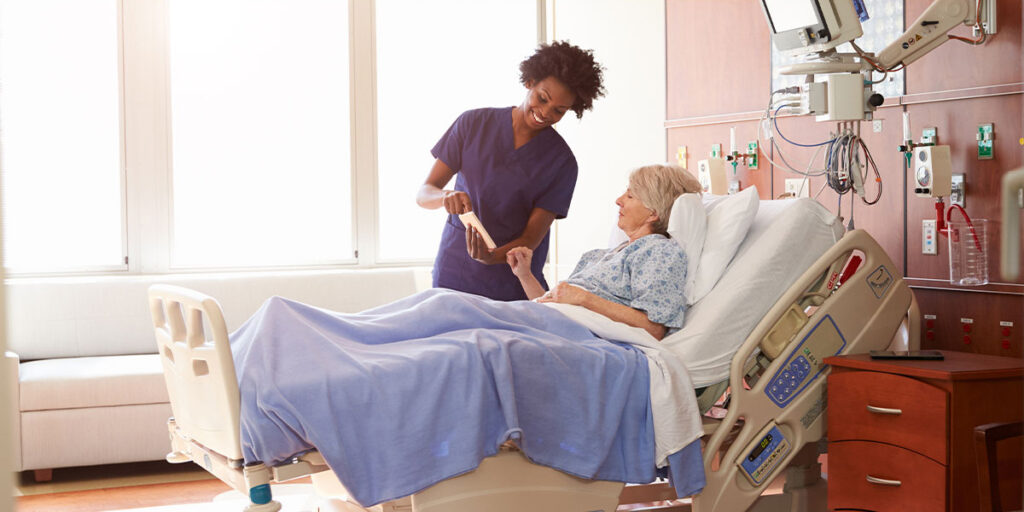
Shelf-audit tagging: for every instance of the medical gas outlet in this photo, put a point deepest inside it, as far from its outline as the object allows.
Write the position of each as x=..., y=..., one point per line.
x=933, y=171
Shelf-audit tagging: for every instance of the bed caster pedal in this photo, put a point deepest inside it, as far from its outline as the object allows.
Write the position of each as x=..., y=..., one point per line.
x=177, y=458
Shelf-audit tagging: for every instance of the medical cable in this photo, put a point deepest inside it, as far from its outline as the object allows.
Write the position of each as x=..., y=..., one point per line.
x=846, y=153
x=775, y=120
x=765, y=126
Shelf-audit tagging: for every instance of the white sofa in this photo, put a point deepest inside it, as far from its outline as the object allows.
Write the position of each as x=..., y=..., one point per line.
x=86, y=379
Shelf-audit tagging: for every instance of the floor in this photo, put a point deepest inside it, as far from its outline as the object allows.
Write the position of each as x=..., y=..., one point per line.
x=117, y=486
x=135, y=485
x=109, y=476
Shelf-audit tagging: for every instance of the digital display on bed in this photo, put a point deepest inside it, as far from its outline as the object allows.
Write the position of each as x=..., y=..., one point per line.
x=764, y=455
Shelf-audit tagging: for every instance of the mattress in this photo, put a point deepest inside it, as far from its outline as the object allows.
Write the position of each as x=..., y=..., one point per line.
x=785, y=239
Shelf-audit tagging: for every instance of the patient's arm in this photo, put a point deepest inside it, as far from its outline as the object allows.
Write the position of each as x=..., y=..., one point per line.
x=519, y=259
x=569, y=294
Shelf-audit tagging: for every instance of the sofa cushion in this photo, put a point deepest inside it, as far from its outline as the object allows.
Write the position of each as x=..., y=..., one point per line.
x=95, y=435
x=77, y=382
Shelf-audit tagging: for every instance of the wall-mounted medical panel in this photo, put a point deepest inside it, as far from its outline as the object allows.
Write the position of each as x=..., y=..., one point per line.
x=957, y=122
x=699, y=138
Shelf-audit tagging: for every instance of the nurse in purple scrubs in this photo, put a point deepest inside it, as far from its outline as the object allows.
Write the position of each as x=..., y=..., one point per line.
x=513, y=170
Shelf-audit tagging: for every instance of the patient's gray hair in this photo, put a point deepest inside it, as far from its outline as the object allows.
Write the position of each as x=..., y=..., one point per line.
x=658, y=186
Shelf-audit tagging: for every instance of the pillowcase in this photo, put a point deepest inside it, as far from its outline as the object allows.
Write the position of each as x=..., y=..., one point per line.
x=728, y=220
x=687, y=224
x=617, y=236
x=711, y=201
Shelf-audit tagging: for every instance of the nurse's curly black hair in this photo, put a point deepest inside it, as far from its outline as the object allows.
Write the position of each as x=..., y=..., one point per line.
x=573, y=66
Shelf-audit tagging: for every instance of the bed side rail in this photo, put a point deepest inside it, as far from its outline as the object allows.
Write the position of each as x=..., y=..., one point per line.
x=192, y=340
x=783, y=410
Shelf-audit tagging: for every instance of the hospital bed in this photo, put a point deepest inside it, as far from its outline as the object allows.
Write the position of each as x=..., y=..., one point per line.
x=797, y=290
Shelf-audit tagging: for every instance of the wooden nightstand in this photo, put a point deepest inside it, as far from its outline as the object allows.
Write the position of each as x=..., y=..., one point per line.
x=901, y=432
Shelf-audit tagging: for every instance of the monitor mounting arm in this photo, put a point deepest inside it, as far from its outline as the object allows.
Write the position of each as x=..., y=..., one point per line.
x=927, y=32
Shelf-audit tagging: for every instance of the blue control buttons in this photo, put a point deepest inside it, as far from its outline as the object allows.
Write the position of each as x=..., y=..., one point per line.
x=789, y=379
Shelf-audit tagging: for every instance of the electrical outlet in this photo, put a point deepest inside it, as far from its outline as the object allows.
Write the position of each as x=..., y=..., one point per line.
x=928, y=245
x=876, y=126
x=798, y=187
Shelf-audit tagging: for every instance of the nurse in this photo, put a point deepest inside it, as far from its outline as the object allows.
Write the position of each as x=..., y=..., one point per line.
x=513, y=170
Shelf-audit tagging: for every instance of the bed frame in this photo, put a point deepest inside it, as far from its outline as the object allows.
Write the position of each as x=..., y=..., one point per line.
x=815, y=318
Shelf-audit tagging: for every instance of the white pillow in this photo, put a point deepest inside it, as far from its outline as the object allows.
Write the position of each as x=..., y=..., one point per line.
x=711, y=201
x=617, y=236
x=729, y=219
x=688, y=224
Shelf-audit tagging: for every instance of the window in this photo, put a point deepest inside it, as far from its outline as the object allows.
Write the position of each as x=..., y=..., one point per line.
x=60, y=136
x=213, y=134
x=260, y=133
x=466, y=57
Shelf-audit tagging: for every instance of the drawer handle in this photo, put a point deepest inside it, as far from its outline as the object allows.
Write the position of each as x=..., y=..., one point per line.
x=882, y=481
x=885, y=410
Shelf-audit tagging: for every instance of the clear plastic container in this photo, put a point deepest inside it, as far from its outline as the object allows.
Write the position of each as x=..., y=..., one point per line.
x=968, y=252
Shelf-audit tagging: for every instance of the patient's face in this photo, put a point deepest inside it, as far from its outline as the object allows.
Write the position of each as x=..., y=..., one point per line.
x=634, y=216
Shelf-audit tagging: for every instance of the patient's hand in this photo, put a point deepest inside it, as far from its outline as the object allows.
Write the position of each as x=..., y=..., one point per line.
x=566, y=293
x=519, y=259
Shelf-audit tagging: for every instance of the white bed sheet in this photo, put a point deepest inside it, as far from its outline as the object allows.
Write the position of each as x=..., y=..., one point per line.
x=787, y=236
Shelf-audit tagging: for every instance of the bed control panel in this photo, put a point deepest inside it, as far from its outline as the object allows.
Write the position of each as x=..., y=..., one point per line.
x=805, y=362
x=764, y=455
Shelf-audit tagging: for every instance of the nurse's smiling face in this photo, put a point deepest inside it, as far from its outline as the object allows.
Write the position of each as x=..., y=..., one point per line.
x=546, y=102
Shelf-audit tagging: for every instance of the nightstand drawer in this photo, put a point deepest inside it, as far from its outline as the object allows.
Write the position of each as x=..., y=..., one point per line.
x=891, y=409
x=864, y=475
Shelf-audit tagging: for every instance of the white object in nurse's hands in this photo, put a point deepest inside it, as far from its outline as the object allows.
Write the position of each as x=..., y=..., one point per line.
x=470, y=219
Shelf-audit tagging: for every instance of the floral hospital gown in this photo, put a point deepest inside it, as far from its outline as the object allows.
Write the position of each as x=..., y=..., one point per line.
x=647, y=274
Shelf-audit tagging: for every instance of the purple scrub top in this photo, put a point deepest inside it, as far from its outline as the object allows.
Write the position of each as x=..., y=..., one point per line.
x=505, y=184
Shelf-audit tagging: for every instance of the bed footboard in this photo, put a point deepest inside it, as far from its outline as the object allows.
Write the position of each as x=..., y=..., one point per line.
x=192, y=340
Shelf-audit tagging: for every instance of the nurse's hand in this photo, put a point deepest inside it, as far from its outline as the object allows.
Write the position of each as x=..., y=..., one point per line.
x=518, y=259
x=457, y=202
x=565, y=293
x=477, y=248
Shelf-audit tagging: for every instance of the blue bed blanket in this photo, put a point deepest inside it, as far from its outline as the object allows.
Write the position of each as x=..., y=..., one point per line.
x=400, y=397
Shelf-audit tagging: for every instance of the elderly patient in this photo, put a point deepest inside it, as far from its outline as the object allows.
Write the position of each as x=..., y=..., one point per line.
x=640, y=282
x=402, y=396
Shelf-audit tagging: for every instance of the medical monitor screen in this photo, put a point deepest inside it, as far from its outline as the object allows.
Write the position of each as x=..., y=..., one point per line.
x=787, y=15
